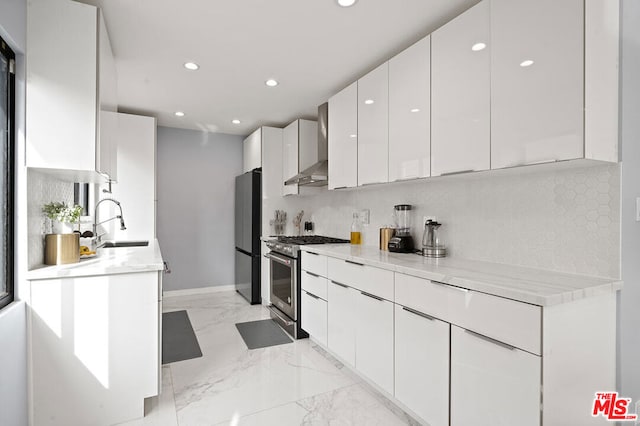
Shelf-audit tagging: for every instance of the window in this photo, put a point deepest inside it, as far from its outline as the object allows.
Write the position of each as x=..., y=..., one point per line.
x=7, y=170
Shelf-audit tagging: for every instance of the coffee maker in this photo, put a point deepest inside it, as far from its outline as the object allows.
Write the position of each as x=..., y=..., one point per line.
x=402, y=241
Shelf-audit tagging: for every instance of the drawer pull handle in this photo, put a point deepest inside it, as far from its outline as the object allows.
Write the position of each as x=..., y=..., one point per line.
x=312, y=274
x=420, y=314
x=458, y=172
x=315, y=254
x=312, y=295
x=490, y=340
x=339, y=284
x=340, y=187
x=452, y=287
x=364, y=293
x=354, y=263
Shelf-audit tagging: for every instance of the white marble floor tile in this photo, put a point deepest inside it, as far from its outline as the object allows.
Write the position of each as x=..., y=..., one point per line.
x=253, y=381
x=289, y=384
x=348, y=406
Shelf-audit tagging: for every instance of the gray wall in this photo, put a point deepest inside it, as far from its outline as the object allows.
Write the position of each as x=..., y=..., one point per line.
x=196, y=177
x=629, y=303
x=13, y=329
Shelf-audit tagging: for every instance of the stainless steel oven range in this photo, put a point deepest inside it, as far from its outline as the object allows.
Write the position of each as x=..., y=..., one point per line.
x=284, y=280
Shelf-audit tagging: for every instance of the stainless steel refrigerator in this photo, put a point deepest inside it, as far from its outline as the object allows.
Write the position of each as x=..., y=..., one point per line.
x=247, y=230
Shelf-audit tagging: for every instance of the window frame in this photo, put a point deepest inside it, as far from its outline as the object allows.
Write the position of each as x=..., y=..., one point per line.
x=9, y=151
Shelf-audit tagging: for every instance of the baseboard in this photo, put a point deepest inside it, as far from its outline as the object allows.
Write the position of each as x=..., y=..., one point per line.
x=199, y=290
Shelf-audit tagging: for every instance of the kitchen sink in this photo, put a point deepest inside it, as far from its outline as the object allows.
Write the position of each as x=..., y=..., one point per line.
x=113, y=244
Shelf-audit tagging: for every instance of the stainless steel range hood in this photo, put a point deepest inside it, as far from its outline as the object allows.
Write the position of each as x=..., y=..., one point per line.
x=317, y=174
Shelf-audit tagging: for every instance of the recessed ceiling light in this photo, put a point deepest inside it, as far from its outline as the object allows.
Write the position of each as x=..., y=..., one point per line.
x=179, y=114
x=235, y=121
x=353, y=136
x=271, y=83
x=368, y=101
x=191, y=66
x=415, y=110
x=346, y=3
x=478, y=46
x=526, y=63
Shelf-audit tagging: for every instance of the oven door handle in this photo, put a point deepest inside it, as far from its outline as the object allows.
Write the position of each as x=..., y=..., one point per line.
x=279, y=259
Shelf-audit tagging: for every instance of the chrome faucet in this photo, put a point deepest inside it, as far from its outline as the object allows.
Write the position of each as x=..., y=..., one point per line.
x=95, y=219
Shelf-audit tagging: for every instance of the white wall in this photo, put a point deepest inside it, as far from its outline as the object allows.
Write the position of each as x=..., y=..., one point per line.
x=540, y=216
x=195, y=222
x=13, y=327
x=629, y=301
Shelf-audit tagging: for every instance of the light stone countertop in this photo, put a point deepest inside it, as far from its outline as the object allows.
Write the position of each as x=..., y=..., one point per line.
x=109, y=261
x=536, y=286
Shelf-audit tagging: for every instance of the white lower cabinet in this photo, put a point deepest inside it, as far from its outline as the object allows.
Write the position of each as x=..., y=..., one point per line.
x=314, y=317
x=422, y=365
x=374, y=339
x=341, y=338
x=95, y=340
x=492, y=383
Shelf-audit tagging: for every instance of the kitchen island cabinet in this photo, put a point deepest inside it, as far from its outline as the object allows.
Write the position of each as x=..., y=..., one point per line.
x=94, y=333
x=470, y=336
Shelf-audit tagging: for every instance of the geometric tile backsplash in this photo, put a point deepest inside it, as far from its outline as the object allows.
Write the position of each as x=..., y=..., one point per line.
x=547, y=217
x=42, y=189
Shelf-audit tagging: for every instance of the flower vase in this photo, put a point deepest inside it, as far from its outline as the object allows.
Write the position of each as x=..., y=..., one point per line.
x=62, y=227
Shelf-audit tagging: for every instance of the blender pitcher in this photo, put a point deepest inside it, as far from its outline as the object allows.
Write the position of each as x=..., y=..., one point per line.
x=402, y=242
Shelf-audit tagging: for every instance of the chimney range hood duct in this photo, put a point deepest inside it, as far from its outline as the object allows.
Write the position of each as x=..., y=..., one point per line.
x=317, y=174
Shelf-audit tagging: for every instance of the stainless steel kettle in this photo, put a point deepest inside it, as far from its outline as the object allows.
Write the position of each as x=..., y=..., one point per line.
x=431, y=245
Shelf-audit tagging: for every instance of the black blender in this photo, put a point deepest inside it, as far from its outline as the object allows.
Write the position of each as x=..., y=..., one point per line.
x=402, y=241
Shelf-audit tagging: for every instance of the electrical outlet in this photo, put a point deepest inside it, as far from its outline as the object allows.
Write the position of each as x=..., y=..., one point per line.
x=364, y=216
x=426, y=218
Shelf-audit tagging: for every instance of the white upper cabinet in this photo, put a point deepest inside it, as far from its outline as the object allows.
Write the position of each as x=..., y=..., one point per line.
x=299, y=151
x=343, y=138
x=537, y=81
x=409, y=112
x=460, y=93
x=373, y=126
x=136, y=187
x=71, y=83
x=108, y=134
x=290, y=157
x=252, y=151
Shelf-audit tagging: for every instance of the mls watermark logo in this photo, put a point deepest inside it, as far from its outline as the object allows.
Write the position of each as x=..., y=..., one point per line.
x=613, y=408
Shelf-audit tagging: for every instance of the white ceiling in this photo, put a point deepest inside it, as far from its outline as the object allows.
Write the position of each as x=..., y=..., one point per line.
x=313, y=48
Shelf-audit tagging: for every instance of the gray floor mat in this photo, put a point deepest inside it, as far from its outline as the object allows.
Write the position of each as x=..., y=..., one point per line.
x=179, y=341
x=263, y=333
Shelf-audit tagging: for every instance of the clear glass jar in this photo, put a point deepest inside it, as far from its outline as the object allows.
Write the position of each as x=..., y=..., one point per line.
x=356, y=230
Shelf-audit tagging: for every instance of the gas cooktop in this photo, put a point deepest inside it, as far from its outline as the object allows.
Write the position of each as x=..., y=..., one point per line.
x=310, y=239
x=290, y=246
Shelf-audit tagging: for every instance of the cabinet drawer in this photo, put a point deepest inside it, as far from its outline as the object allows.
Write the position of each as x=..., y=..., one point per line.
x=372, y=280
x=314, y=317
x=483, y=372
x=315, y=263
x=314, y=284
x=515, y=323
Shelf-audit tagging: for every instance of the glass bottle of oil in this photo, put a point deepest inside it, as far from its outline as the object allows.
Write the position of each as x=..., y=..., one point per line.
x=356, y=231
